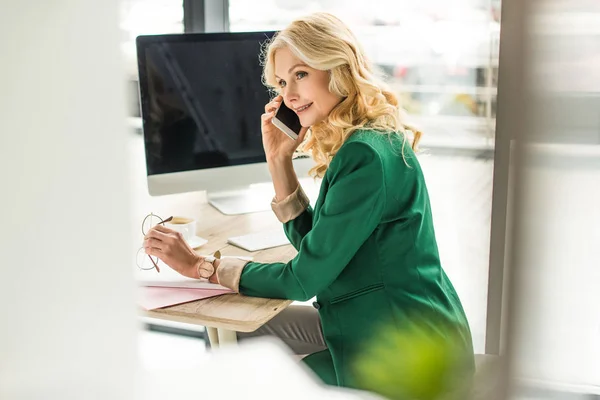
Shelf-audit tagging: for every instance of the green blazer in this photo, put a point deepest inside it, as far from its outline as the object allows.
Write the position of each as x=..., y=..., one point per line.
x=367, y=251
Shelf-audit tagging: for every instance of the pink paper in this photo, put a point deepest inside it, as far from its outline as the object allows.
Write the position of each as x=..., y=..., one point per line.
x=150, y=298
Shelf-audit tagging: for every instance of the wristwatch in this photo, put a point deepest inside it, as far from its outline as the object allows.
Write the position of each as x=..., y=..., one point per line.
x=206, y=270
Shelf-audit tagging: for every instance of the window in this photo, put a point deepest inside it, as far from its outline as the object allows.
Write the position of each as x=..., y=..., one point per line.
x=442, y=59
x=146, y=17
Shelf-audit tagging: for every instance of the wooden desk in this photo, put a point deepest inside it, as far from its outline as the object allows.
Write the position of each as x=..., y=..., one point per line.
x=227, y=314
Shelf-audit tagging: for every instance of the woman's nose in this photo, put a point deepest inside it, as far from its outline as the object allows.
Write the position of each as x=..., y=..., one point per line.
x=291, y=94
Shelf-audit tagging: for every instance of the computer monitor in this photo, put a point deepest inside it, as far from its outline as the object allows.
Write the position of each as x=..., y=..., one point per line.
x=202, y=98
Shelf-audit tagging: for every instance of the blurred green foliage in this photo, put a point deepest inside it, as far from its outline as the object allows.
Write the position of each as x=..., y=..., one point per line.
x=423, y=361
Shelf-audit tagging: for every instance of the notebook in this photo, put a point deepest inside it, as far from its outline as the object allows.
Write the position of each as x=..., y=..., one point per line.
x=151, y=298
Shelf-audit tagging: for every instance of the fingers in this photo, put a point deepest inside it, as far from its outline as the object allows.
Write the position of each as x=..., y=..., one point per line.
x=163, y=229
x=157, y=240
x=164, y=234
x=161, y=241
x=273, y=104
x=162, y=250
x=153, y=243
x=267, y=117
x=151, y=251
x=267, y=120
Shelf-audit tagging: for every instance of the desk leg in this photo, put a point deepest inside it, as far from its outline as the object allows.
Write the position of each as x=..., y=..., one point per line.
x=227, y=337
x=213, y=336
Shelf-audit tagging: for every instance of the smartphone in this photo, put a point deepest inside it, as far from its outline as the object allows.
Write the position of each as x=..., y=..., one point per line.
x=287, y=121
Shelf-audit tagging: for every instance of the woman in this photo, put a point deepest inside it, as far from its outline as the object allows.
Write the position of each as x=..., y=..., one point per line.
x=367, y=250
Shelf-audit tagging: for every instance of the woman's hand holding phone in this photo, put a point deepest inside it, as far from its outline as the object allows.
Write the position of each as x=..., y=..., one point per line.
x=277, y=145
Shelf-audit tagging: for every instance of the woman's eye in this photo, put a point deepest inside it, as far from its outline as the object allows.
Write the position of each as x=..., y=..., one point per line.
x=281, y=83
x=301, y=74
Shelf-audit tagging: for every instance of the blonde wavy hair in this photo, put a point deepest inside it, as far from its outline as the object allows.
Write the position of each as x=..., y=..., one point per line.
x=324, y=42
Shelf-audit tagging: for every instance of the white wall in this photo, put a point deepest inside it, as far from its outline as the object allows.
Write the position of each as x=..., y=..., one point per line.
x=556, y=336
x=554, y=286
x=66, y=289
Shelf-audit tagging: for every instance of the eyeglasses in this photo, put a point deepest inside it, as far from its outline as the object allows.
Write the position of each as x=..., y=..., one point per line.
x=146, y=261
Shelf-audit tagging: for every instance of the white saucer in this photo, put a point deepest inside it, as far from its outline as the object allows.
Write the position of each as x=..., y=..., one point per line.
x=196, y=242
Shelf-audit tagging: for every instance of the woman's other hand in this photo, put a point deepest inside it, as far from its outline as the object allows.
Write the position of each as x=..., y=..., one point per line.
x=172, y=249
x=277, y=144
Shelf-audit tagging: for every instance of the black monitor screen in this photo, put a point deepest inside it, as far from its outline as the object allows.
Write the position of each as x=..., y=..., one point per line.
x=202, y=98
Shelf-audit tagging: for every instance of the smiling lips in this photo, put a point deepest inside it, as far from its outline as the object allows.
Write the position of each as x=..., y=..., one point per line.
x=300, y=109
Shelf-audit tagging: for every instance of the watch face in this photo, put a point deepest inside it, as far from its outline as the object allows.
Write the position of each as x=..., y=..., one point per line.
x=206, y=269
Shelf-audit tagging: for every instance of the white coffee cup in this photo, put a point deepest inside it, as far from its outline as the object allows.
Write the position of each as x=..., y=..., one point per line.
x=187, y=226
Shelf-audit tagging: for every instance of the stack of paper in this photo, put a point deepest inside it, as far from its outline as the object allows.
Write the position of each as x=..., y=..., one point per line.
x=168, y=288
x=151, y=297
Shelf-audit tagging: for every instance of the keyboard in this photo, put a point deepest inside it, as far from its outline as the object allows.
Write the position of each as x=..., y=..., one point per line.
x=260, y=240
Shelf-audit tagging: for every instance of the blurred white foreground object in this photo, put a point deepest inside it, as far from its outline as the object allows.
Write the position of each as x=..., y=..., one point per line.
x=256, y=369
x=67, y=297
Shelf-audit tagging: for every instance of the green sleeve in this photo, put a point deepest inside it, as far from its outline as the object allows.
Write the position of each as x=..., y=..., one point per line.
x=352, y=209
x=297, y=228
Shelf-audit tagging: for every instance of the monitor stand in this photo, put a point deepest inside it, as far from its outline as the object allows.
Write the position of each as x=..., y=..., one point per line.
x=256, y=198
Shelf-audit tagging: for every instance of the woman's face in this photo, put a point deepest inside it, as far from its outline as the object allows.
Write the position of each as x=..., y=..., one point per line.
x=304, y=89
